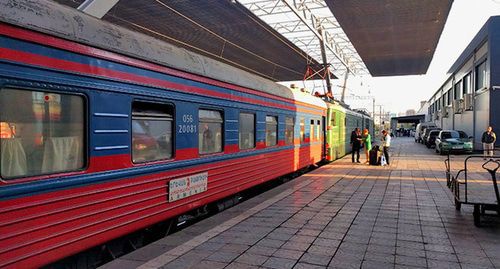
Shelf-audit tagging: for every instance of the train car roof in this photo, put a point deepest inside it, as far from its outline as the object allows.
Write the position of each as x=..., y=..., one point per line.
x=65, y=22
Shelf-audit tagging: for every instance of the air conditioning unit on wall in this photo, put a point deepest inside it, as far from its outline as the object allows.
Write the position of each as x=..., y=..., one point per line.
x=468, y=101
x=457, y=106
x=444, y=112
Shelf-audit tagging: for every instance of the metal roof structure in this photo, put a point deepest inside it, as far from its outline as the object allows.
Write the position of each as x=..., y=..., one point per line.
x=393, y=37
x=220, y=29
x=281, y=39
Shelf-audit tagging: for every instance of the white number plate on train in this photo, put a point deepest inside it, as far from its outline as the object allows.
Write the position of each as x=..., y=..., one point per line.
x=457, y=147
x=180, y=188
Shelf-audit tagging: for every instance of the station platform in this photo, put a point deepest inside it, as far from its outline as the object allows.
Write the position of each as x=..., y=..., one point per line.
x=341, y=215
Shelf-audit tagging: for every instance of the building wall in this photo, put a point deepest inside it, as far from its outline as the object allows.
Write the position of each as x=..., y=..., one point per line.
x=486, y=101
x=494, y=56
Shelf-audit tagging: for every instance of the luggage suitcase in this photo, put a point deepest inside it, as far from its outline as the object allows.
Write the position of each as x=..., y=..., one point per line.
x=373, y=157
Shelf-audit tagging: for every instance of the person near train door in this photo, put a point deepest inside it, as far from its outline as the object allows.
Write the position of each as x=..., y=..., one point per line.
x=386, y=143
x=355, y=144
x=489, y=138
x=367, y=142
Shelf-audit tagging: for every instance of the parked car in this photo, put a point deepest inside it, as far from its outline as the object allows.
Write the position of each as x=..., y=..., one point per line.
x=426, y=133
x=431, y=138
x=449, y=141
x=419, y=129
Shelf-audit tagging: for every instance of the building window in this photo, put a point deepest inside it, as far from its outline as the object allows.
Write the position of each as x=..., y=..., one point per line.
x=466, y=84
x=151, y=132
x=448, y=97
x=458, y=90
x=289, y=130
x=247, y=131
x=210, y=131
x=271, y=130
x=41, y=133
x=481, y=76
x=302, y=130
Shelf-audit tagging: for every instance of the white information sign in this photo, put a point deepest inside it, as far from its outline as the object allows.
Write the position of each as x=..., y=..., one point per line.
x=180, y=188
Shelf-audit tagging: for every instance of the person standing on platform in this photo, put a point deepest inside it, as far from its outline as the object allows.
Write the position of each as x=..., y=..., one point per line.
x=386, y=143
x=367, y=142
x=355, y=144
x=489, y=138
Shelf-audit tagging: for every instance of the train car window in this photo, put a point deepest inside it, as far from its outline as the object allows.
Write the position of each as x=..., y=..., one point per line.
x=271, y=130
x=334, y=119
x=152, y=137
x=247, y=131
x=289, y=130
x=210, y=131
x=318, y=129
x=302, y=129
x=311, y=135
x=40, y=133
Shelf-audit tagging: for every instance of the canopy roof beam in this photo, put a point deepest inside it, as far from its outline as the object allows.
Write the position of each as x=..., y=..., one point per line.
x=97, y=8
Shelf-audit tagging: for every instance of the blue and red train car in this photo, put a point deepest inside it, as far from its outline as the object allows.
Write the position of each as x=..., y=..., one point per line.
x=98, y=143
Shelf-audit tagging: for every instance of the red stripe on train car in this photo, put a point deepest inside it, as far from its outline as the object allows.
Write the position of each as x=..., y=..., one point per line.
x=53, y=63
x=40, y=229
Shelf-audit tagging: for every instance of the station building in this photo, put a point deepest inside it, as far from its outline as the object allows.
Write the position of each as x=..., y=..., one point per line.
x=469, y=100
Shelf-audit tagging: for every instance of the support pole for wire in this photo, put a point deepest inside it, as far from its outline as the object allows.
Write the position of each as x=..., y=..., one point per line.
x=325, y=63
x=344, y=87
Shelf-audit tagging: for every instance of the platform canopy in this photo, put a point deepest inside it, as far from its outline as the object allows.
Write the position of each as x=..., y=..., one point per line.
x=279, y=39
x=221, y=29
x=393, y=37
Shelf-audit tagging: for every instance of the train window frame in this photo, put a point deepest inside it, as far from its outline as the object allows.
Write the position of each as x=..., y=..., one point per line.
x=333, y=120
x=276, y=129
x=254, y=130
x=173, y=128
x=318, y=130
x=302, y=129
x=312, y=130
x=48, y=89
x=222, y=127
x=292, y=120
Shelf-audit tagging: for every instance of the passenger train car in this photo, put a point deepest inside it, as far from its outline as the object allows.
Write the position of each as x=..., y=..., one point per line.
x=100, y=138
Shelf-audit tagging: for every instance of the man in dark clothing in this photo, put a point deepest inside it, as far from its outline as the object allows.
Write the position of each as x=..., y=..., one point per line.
x=488, y=139
x=355, y=144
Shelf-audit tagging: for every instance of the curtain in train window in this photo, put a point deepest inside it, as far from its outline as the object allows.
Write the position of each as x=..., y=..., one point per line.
x=289, y=130
x=40, y=133
x=151, y=132
x=271, y=131
x=247, y=131
x=209, y=131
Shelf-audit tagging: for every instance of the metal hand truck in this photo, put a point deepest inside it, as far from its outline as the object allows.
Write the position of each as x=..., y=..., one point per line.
x=491, y=165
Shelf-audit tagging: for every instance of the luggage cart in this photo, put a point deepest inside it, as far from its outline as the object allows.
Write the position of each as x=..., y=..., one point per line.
x=480, y=208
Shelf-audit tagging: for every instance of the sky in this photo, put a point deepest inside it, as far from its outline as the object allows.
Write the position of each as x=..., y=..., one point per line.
x=400, y=93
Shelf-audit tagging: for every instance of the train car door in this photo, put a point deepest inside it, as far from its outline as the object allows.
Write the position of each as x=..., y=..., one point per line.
x=323, y=132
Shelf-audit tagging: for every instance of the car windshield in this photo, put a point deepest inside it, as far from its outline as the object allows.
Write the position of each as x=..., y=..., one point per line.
x=433, y=133
x=463, y=134
x=452, y=134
